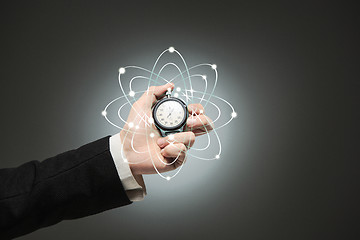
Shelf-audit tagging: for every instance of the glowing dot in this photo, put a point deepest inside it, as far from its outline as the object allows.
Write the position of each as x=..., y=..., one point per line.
x=125, y=160
x=178, y=89
x=234, y=114
x=204, y=77
x=132, y=93
x=168, y=178
x=151, y=120
x=152, y=135
x=191, y=90
x=213, y=66
x=176, y=95
x=201, y=111
x=171, y=49
x=131, y=124
x=137, y=126
x=217, y=156
x=121, y=70
x=171, y=137
x=104, y=113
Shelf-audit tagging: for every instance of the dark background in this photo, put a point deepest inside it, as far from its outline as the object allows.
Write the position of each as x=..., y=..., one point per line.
x=289, y=168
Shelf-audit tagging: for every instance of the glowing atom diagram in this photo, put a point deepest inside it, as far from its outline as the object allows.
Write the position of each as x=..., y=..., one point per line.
x=196, y=84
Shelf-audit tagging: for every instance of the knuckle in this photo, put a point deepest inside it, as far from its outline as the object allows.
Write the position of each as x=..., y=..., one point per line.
x=192, y=138
x=199, y=106
x=183, y=148
x=183, y=154
x=182, y=157
x=165, y=152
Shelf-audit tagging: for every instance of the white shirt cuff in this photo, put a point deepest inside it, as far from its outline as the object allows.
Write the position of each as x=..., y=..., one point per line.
x=133, y=190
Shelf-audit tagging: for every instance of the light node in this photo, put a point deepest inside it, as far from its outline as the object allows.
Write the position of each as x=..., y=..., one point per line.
x=201, y=111
x=121, y=70
x=204, y=77
x=104, y=113
x=171, y=136
x=131, y=124
x=217, y=156
x=213, y=66
x=152, y=135
x=178, y=89
x=125, y=160
x=168, y=178
x=234, y=114
x=176, y=95
x=151, y=120
x=171, y=49
x=131, y=93
x=137, y=126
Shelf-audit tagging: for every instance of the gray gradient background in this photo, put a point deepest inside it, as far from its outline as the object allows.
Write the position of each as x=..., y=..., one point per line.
x=283, y=66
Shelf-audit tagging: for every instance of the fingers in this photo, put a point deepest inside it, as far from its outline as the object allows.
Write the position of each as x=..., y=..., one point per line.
x=175, y=155
x=174, y=150
x=196, y=108
x=159, y=91
x=186, y=138
x=199, y=124
x=154, y=93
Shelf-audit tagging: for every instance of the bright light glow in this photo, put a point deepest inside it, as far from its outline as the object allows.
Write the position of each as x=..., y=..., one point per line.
x=204, y=77
x=131, y=93
x=171, y=49
x=234, y=114
x=152, y=135
x=178, y=89
x=151, y=120
x=191, y=90
x=131, y=124
x=171, y=137
x=125, y=160
x=121, y=70
x=104, y=113
x=213, y=66
x=168, y=178
x=137, y=126
x=217, y=156
x=176, y=95
x=201, y=111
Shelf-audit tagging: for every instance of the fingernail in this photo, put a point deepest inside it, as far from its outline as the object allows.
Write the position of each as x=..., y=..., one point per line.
x=161, y=141
x=191, y=122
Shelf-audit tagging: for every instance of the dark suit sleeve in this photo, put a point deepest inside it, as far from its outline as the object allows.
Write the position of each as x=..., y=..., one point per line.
x=71, y=185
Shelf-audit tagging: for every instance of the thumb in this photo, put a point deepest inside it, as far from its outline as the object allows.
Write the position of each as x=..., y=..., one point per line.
x=155, y=93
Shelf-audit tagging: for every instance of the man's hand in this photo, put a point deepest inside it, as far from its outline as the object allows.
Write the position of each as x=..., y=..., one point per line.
x=143, y=146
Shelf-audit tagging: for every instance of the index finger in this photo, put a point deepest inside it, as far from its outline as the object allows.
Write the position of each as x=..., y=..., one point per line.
x=186, y=138
x=155, y=92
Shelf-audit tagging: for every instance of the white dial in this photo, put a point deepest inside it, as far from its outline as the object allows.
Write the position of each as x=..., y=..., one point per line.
x=170, y=113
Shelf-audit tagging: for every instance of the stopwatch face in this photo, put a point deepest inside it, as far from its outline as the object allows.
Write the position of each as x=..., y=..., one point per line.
x=170, y=113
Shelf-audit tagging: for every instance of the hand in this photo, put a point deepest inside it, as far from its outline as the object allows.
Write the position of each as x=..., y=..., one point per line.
x=143, y=146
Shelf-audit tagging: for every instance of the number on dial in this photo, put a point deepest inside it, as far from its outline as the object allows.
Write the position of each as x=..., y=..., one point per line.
x=170, y=113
